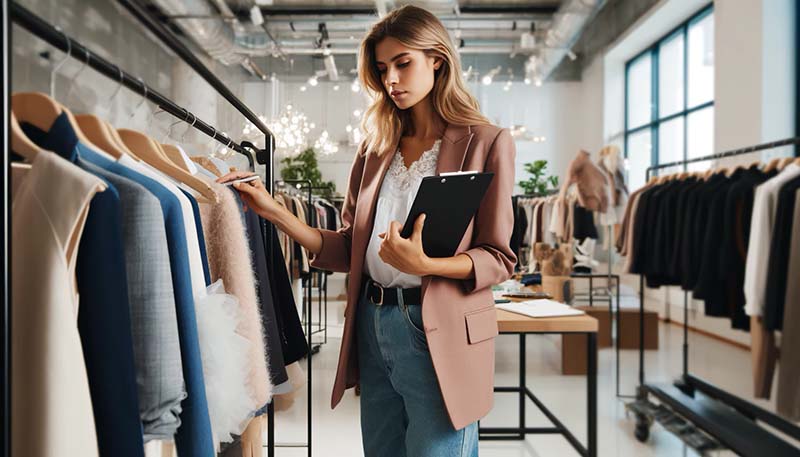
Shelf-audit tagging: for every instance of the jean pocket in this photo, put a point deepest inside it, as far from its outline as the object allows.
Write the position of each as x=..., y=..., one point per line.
x=413, y=315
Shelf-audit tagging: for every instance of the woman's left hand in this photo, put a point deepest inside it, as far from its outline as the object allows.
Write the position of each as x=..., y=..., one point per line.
x=404, y=254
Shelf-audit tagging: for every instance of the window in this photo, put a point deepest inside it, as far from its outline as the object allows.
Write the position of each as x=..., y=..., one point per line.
x=669, y=99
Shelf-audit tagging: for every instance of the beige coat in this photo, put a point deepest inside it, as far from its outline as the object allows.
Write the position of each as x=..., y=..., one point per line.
x=459, y=316
x=51, y=411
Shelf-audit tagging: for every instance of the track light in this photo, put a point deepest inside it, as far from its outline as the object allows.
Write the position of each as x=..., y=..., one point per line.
x=571, y=55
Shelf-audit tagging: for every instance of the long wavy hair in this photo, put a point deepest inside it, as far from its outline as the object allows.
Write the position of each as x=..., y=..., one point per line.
x=416, y=28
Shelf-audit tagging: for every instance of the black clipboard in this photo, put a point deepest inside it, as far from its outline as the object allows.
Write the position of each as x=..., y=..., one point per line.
x=449, y=202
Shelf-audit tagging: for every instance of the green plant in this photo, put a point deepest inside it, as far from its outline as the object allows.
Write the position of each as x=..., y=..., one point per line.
x=537, y=184
x=305, y=166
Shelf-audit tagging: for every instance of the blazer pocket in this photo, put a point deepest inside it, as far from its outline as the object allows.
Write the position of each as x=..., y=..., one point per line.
x=481, y=325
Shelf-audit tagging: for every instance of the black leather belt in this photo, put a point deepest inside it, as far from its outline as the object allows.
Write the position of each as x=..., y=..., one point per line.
x=380, y=295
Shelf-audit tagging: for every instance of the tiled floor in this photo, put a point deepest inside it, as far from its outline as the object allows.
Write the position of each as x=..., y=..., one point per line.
x=336, y=432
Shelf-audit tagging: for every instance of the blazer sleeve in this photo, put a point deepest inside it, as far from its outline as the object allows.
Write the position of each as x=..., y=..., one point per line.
x=335, y=252
x=492, y=258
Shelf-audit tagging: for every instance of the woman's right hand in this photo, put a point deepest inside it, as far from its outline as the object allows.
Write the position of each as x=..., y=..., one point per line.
x=253, y=193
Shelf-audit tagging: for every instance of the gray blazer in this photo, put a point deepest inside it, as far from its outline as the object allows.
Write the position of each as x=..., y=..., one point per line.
x=156, y=349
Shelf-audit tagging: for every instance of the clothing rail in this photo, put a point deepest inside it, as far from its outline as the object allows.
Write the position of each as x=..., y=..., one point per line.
x=76, y=50
x=736, y=420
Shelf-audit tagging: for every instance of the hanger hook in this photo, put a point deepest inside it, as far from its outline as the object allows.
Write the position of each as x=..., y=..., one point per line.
x=173, y=124
x=75, y=76
x=213, y=137
x=60, y=63
x=144, y=97
x=153, y=115
x=194, y=121
x=119, y=86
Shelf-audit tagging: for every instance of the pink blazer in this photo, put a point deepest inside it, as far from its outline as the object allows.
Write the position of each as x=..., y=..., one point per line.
x=459, y=316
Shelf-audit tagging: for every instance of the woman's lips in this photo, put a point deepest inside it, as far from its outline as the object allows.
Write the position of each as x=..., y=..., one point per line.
x=398, y=93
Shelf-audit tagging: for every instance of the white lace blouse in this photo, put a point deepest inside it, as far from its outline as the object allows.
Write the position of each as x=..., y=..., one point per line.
x=398, y=190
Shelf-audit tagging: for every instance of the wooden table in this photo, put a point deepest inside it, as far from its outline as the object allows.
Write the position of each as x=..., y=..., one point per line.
x=516, y=324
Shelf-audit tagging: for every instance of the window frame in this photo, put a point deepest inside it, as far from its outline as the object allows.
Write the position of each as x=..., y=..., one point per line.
x=655, y=120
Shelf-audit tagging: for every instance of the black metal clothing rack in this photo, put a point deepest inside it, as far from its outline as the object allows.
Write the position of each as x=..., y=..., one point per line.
x=730, y=420
x=58, y=39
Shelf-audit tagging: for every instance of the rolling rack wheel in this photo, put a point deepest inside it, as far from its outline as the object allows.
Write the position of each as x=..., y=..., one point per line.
x=642, y=430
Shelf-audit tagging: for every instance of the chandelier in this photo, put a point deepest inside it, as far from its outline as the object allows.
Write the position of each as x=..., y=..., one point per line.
x=290, y=128
x=324, y=144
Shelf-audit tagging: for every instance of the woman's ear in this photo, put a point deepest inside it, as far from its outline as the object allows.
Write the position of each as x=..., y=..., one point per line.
x=437, y=63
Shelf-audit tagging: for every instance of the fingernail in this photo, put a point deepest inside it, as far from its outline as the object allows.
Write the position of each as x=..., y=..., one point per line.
x=237, y=184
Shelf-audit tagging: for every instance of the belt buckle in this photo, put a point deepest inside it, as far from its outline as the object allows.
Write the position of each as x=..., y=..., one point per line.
x=381, y=299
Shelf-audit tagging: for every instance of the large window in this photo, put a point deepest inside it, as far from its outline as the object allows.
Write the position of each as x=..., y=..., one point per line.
x=669, y=99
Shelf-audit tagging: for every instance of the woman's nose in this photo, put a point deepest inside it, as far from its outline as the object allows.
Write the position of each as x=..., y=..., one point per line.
x=391, y=77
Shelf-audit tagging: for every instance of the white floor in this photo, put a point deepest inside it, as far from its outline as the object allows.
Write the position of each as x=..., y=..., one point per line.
x=336, y=432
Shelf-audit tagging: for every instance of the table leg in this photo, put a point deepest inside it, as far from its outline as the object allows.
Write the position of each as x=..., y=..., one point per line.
x=522, y=385
x=591, y=387
x=591, y=291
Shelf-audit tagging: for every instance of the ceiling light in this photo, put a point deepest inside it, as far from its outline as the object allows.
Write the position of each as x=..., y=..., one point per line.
x=302, y=88
x=355, y=87
x=349, y=128
x=538, y=82
x=357, y=113
x=527, y=81
x=486, y=80
x=312, y=81
x=255, y=15
x=335, y=87
x=571, y=55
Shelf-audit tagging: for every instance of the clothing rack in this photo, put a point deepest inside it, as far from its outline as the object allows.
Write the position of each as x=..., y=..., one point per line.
x=322, y=277
x=307, y=313
x=55, y=37
x=729, y=419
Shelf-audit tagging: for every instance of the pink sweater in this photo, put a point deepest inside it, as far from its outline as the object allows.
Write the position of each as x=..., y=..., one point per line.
x=230, y=259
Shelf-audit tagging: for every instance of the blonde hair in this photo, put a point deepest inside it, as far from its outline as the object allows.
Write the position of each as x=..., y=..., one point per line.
x=419, y=29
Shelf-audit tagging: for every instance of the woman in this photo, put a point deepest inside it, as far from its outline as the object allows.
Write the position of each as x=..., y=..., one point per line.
x=422, y=328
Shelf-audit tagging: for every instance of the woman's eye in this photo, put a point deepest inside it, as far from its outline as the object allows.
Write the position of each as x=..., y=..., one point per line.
x=403, y=65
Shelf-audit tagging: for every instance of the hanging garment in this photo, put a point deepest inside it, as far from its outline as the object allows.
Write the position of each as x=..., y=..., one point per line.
x=156, y=346
x=230, y=260
x=194, y=434
x=225, y=363
x=104, y=320
x=590, y=181
x=788, y=401
x=779, y=250
x=763, y=220
x=583, y=224
x=269, y=317
x=51, y=417
x=201, y=240
x=293, y=340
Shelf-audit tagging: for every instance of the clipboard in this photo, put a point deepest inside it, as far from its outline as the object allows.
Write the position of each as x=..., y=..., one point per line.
x=449, y=202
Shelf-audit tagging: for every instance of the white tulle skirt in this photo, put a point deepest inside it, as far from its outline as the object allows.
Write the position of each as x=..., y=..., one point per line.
x=225, y=363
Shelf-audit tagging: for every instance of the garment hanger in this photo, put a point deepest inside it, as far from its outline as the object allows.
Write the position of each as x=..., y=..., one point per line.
x=772, y=165
x=170, y=151
x=784, y=162
x=97, y=132
x=112, y=132
x=152, y=153
x=94, y=129
x=20, y=143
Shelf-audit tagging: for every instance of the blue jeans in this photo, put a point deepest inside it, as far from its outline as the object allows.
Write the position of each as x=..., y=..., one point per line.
x=402, y=410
